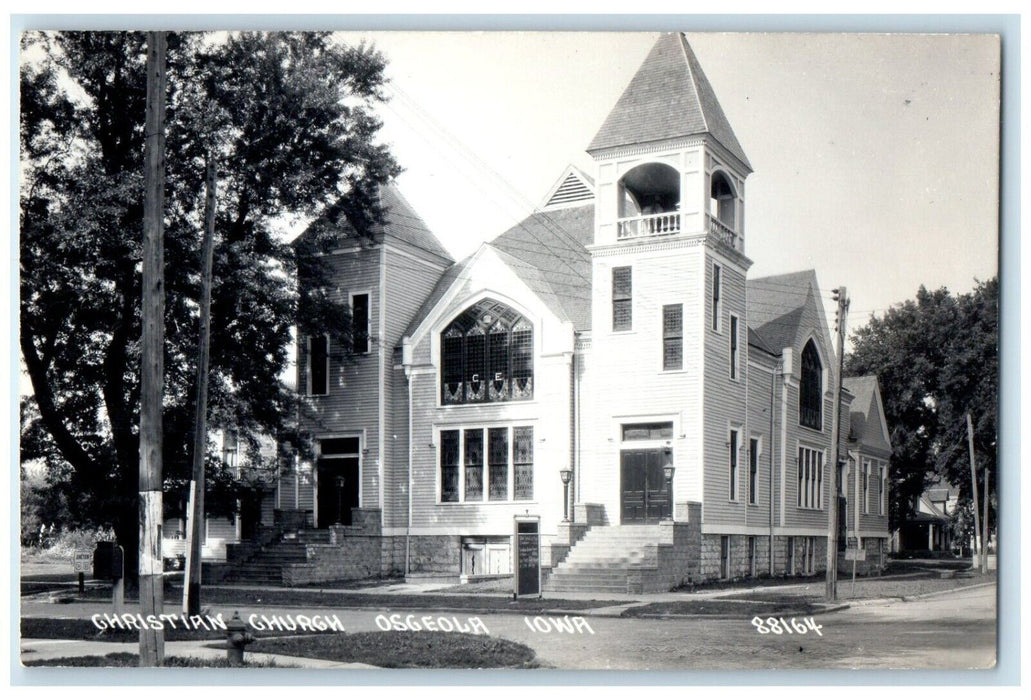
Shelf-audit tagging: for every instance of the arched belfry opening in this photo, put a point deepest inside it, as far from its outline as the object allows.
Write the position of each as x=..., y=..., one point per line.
x=649, y=201
x=723, y=206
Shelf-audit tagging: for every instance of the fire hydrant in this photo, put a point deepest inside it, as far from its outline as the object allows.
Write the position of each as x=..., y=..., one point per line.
x=237, y=639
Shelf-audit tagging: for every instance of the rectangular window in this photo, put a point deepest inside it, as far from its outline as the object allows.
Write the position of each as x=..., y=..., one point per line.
x=673, y=336
x=810, y=478
x=318, y=369
x=622, y=299
x=497, y=458
x=733, y=347
x=522, y=456
x=648, y=431
x=449, y=443
x=866, y=487
x=717, y=288
x=360, y=328
x=753, y=470
x=474, y=465
x=882, y=497
x=733, y=465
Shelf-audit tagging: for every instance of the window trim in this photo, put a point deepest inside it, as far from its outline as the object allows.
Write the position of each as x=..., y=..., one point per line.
x=753, y=461
x=867, y=465
x=310, y=364
x=484, y=428
x=441, y=359
x=810, y=483
x=734, y=332
x=820, y=379
x=628, y=298
x=368, y=321
x=734, y=462
x=679, y=337
x=716, y=297
x=882, y=499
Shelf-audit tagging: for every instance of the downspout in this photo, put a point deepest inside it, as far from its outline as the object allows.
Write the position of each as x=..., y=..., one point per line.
x=408, y=520
x=773, y=408
x=576, y=430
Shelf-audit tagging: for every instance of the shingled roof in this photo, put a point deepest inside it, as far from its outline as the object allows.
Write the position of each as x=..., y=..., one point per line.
x=668, y=97
x=400, y=222
x=865, y=410
x=547, y=250
x=776, y=305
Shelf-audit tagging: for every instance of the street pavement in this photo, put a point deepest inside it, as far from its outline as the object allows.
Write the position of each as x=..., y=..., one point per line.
x=953, y=630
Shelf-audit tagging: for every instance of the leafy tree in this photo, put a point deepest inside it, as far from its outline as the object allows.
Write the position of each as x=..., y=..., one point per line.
x=936, y=358
x=287, y=119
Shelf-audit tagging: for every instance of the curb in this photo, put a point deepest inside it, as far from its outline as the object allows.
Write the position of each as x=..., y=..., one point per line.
x=921, y=596
x=729, y=616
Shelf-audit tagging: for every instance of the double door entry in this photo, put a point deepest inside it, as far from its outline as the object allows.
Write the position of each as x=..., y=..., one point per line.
x=645, y=498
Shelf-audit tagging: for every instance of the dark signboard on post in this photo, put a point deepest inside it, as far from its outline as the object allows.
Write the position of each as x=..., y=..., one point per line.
x=527, y=555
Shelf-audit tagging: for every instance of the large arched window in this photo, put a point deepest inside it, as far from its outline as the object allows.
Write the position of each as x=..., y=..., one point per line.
x=487, y=355
x=810, y=391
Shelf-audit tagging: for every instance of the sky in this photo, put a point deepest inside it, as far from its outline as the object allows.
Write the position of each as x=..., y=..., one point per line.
x=875, y=156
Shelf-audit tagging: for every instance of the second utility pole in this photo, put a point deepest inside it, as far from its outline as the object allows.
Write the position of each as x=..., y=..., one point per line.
x=841, y=297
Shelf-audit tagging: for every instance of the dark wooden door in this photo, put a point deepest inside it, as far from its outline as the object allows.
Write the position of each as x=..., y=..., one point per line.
x=336, y=498
x=645, y=497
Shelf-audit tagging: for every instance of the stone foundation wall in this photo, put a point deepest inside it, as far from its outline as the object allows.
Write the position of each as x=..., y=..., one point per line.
x=435, y=554
x=350, y=559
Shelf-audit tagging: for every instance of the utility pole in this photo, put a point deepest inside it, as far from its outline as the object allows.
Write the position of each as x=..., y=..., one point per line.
x=840, y=315
x=973, y=486
x=195, y=534
x=152, y=642
x=984, y=536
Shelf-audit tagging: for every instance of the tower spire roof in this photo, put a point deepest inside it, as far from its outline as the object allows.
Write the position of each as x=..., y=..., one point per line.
x=668, y=97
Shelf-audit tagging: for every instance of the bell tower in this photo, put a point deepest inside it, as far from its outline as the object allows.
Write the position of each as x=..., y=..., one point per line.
x=668, y=335
x=668, y=162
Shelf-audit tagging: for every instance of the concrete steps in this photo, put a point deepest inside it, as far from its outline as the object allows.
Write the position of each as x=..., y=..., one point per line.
x=602, y=560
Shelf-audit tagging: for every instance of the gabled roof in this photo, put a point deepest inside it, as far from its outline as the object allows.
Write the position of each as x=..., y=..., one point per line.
x=555, y=243
x=776, y=306
x=547, y=250
x=572, y=189
x=400, y=222
x=867, y=413
x=668, y=97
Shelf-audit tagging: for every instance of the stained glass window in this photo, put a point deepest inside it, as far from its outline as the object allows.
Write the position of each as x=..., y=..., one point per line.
x=810, y=392
x=487, y=355
x=522, y=443
x=497, y=447
x=474, y=465
x=449, y=466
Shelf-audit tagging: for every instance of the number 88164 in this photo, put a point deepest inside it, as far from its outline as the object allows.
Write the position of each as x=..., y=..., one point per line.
x=778, y=625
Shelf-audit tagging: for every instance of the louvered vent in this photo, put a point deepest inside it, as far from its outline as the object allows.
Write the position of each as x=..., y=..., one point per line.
x=572, y=189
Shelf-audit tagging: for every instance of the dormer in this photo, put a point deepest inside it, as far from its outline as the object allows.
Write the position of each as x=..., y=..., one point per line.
x=668, y=162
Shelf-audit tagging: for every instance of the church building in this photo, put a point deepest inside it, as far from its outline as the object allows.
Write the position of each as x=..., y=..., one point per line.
x=606, y=366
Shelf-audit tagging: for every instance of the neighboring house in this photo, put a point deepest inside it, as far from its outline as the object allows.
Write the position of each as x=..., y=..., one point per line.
x=612, y=333
x=930, y=528
x=225, y=530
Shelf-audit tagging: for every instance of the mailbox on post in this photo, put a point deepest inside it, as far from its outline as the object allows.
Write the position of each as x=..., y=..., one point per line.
x=108, y=561
x=526, y=550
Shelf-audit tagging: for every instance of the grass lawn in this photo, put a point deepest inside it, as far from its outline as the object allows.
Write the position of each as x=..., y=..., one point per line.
x=405, y=649
x=127, y=660
x=64, y=628
x=720, y=606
